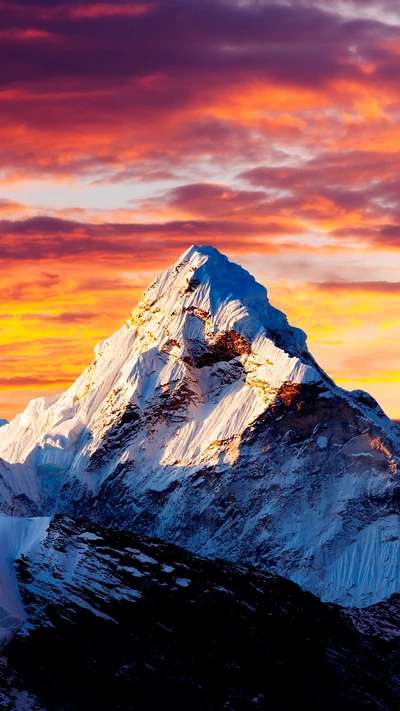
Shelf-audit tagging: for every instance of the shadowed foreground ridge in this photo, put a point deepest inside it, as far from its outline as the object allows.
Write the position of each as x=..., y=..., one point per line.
x=116, y=620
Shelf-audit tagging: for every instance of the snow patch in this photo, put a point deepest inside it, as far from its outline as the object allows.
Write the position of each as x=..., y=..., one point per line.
x=18, y=536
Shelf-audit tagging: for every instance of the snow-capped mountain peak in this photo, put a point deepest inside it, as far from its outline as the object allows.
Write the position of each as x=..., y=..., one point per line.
x=205, y=281
x=204, y=420
x=203, y=312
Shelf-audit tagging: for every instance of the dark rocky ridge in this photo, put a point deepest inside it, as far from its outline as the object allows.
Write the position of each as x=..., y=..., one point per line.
x=119, y=621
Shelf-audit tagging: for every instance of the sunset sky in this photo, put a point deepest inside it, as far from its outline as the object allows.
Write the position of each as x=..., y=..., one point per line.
x=130, y=131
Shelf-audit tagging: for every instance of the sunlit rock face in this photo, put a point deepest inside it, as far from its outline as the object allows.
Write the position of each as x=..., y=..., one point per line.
x=205, y=421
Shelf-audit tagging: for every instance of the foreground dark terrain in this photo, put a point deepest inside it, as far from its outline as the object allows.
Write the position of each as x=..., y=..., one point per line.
x=119, y=621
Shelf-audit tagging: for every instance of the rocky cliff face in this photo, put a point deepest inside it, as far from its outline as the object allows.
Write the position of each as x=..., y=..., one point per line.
x=205, y=421
x=118, y=621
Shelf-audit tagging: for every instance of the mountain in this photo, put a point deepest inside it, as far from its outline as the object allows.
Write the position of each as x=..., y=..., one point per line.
x=119, y=621
x=206, y=422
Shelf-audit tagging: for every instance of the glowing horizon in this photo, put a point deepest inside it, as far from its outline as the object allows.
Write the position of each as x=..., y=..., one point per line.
x=131, y=130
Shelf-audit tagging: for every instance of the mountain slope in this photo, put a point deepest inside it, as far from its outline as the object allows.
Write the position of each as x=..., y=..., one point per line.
x=119, y=621
x=206, y=422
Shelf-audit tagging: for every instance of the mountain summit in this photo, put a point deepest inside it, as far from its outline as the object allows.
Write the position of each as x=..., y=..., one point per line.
x=205, y=421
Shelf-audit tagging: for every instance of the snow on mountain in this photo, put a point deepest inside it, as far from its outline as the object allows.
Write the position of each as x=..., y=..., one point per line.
x=17, y=537
x=201, y=311
x=205, y=421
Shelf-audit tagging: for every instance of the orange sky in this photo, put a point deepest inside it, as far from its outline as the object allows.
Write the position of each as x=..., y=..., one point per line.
x=131, y=130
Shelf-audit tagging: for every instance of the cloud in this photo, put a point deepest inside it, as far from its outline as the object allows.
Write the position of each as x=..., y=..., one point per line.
x=213, y=200
x=385, y=236
x=48, y=238
x=27, y=381
x=89, y=82
x=370, y=287
x=357, y=199
x=66, y=317
x=7, y=205
x=23, y=290
x=104, y=9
